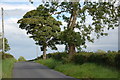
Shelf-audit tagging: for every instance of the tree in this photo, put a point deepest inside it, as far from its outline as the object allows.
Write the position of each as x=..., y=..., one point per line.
x=7, y=47
x=42, y=27
x=100, y=51
x=21, y=58
x=75, y=14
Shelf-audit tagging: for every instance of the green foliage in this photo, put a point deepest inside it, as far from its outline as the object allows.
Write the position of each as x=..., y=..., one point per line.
x=51, y=63
x=57, y=55
x=21, y=58
x=7, y=55
x=79, y=58
x=100, y=51
x=117, y=60
x=71, y=37
x=86, y=70
x=42, y=26
x=7, y=47
x=7, y=67
x=103, y=14
x=109, y=59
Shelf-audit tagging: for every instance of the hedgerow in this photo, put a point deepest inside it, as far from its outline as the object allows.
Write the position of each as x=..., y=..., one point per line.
x=109, y=59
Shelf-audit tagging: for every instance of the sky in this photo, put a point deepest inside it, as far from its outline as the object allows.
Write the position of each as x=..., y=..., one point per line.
x=22, y=45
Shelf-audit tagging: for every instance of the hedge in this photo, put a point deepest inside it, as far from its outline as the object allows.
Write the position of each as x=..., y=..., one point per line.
x=7, y=55
x=109, y=59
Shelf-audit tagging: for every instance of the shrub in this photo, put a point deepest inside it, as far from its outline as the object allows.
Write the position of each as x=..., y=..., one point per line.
x=110, y=59
x=57, y=55
x=100, y=51
x=78, y=58
x=99, y=58
x=21, y=58
x=7, y=55
x=117, y=60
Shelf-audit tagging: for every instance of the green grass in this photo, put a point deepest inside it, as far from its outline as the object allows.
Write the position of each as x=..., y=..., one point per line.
x=51, y=63
x=7, y=67
x=0, y=67
x=86, y=70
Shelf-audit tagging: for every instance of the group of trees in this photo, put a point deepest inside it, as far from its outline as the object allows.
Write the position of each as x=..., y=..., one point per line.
x=44, y=23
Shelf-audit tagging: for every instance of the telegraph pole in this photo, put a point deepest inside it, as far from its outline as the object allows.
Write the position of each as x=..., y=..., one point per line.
x=3, y=41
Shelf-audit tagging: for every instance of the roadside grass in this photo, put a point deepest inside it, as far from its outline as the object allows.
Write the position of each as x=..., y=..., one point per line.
x=86, y=70
x=7, y=67
x=51, y=63
x=0, y=67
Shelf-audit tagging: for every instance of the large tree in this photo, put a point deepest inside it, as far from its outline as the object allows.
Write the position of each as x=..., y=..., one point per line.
x=42, y=26
x=84, y=19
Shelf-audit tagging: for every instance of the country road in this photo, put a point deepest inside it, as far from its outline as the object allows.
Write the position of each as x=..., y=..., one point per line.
x=35, y=70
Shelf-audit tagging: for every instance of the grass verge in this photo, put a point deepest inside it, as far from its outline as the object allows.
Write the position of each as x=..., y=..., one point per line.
x=7, y=67
x=86, y=70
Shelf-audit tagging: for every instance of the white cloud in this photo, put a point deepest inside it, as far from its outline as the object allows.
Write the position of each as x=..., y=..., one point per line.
x=109, y=42
x=11, y=20
x=12, y=30
x=19, y=1
x=14, y=13
x=17, y=6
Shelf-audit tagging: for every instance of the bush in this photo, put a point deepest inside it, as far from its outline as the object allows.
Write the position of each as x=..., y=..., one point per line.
x=21, y=58
x=117, y=60
x=57, y=55
x=7, y=55
x=100, y=51
x=99, y=58
x=78, y=58
x=110, y=59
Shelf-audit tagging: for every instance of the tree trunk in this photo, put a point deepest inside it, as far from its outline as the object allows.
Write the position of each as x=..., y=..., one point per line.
x=71, y=50
x=44, y=52
x=71, y=25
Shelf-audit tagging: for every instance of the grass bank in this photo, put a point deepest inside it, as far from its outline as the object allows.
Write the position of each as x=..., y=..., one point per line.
x=7, y=67
x=86, y=70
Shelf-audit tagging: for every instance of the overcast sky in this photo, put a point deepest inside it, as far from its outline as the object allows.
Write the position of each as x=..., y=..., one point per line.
x=22, y=45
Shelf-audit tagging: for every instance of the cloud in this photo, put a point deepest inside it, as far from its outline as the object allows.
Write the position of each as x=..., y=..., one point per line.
x=14, y=13
x=109, y=42
x=11, y=20
x=7, y=6
x=19, y=1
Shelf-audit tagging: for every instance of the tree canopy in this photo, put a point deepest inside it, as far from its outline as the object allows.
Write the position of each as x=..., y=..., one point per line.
x=42, y=26
x=83, y=20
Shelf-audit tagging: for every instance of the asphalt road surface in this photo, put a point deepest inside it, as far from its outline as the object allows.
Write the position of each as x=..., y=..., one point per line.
x=35, y=70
